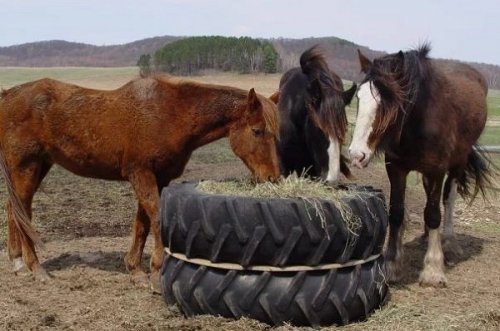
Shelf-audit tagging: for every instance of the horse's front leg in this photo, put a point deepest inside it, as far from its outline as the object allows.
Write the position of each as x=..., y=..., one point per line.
x=433, y=272
x=394, y=250
x=146, y=189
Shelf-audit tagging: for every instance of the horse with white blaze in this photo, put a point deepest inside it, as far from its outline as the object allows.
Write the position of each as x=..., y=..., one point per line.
x=426, y=116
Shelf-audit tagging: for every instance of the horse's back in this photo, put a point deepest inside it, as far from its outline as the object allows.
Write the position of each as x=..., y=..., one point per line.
x=89, y=132
x=463, y=87
x=463, y=72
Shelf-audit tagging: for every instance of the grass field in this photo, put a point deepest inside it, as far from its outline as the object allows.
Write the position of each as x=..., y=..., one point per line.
x=85, y=225
x=494, y=103
x=490, y=136
x=96, y=77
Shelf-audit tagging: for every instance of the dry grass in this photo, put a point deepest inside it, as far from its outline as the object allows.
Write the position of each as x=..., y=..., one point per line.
x=312, y=192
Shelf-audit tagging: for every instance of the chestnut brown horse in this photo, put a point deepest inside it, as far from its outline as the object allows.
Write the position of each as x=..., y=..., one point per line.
x=143, y=132
x=426, y=116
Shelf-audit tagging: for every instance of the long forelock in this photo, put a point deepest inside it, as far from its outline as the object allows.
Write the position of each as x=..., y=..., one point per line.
x=271, y=118
x=330, y=116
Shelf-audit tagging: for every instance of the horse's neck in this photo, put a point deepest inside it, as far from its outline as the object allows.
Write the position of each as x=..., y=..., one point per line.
x=213, y=117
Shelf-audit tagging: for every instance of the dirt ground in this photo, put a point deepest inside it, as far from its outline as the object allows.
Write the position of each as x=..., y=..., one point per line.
x=85, y=224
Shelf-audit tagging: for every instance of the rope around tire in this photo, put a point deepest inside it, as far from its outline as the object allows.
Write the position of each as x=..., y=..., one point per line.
x=234, y=266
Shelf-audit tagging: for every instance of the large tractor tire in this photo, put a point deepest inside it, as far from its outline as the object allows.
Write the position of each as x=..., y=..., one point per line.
x=304, y=298
x=270, y=231
x=271, y=259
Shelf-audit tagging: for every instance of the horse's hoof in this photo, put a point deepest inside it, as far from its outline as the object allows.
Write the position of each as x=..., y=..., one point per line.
x=155, y=282
x=393, y=270
x=451, y=250
x=19, y=267
x=432, y=278
x=140, y=279
x=41, y=275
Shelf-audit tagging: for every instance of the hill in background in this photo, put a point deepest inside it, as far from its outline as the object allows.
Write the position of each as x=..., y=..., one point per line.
x=60, y=53
x=341, y=54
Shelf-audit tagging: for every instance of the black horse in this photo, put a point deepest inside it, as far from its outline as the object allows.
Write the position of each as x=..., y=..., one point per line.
x=311, y=103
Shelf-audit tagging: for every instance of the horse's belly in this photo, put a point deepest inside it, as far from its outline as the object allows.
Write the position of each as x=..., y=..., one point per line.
x=88, y=164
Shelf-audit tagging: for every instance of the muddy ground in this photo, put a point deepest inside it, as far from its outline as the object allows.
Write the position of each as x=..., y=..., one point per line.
x=85, y=224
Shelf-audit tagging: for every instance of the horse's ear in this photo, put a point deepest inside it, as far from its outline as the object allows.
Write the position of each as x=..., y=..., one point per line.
x=275, y=97
x=401, y=55
x=364, y=62
x=253, y=100
x=349, y=94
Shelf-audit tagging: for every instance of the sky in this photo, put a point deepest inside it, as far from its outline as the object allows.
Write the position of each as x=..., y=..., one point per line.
x=458, y=29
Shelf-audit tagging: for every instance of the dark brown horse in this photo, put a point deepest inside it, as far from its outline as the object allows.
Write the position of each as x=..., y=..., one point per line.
x=425, y=116
x=143, y=132
x=313, y=122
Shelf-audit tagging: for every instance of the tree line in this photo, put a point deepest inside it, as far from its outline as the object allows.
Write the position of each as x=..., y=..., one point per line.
x=192, y=55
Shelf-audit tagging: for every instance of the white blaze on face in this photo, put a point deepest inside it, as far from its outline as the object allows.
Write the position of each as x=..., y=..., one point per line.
x=333, y=161
x=368, y=102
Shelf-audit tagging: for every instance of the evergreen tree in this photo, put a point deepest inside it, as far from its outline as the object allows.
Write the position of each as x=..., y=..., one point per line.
x=270, y=59
x=144, y=64
x=189, y=56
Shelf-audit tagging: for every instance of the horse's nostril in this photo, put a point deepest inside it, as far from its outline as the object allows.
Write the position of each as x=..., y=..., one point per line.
x=362, y=157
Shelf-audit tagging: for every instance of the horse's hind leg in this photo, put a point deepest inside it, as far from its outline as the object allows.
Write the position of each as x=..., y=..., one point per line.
x=451, y=247
x=433, y=272
x=25, y=181
x=14, y=242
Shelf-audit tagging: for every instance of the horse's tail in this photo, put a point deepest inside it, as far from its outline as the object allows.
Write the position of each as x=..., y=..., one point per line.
x=19, y=213
x=479, y=173
x=326, y=102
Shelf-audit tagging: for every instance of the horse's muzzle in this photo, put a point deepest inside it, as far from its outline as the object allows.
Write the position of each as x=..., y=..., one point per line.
x=360, y=159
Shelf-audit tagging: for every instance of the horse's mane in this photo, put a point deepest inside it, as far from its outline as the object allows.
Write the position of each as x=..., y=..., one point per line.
x=271, y=118
x=269, y=113
x=400, y=78
x=326, y=103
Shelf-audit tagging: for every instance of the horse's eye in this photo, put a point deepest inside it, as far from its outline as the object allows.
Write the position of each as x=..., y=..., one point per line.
x=258, y=132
